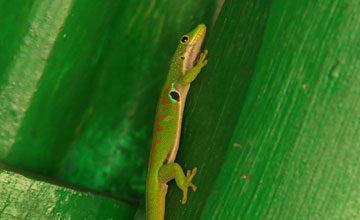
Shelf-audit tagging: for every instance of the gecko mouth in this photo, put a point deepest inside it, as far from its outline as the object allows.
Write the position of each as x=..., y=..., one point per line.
x=193, y=49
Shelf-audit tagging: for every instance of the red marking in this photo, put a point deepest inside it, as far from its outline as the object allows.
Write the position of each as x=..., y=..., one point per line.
x=154, y=136
x=152, y=159
x=161, y=118
x=158, y=128
x=152, y=166
x=167, y=89
x=163, y=109
x=154, y=145
x=165, y=100
x=157, y=141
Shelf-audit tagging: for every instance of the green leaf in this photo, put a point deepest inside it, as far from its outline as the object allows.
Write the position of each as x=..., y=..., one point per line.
x=271, y=122
x=26, y=198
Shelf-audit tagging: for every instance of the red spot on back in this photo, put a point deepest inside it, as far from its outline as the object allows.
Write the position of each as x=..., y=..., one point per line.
x=165, y=100
x=163, y=109
x=159, y=128
x=155, y=142
x=166, y=91
x=156, y=131
x=154, y=136
x=154, y=148
x=161, y=118
x=152, y=159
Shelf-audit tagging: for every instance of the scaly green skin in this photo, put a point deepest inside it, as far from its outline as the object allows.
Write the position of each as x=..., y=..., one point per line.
x=167, y=125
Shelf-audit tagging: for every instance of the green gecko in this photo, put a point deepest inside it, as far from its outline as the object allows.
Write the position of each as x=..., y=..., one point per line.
x=167, y=126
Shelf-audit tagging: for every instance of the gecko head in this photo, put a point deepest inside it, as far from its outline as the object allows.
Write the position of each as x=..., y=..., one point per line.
x=190, y=46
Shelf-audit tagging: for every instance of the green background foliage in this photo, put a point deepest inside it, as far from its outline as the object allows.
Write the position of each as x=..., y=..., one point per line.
x=272, y=122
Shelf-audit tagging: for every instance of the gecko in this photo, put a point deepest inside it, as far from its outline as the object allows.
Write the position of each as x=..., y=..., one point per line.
x=167, y=127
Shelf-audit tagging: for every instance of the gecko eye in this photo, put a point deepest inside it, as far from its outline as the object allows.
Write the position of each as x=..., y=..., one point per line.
x=184, y=39
x=175, y=96
x=182, y=57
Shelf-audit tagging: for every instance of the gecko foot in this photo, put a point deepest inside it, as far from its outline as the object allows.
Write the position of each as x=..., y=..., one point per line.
x=189, y=176
x=202, y=62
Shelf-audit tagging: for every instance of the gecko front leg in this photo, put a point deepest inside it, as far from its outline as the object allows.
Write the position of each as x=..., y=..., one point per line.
x=195, y=70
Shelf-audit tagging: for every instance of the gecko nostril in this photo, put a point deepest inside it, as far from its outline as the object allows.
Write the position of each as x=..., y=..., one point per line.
x=174, y=95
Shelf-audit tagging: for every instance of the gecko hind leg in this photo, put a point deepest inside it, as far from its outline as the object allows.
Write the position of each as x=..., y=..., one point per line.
x=174, y=171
